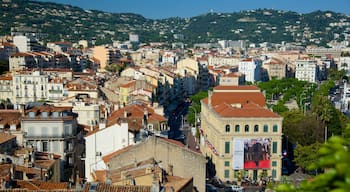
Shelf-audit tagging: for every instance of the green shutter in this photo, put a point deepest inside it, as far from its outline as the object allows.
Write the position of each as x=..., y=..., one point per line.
x=227, y=174
x=227, y=147
x=274, y=147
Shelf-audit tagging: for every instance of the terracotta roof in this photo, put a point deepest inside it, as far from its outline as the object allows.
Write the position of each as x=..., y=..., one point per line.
x=135, y=114
x=236, y=87
x=5, y=170
x=102, y=187
x=178, y=183
x=10, y=117
x=41, y=185
x=243, y=103
x=6, y=78
x=4, y=137
x=128, y=84
x=48, y=108
x=21, y=55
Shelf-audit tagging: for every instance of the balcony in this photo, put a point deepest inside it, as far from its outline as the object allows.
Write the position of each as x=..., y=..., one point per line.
x=55, y=91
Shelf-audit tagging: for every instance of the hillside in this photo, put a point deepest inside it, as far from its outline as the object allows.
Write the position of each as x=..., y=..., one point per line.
x=63, y=22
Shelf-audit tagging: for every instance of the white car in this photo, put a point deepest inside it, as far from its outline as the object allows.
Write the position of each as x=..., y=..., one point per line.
x=237, y=188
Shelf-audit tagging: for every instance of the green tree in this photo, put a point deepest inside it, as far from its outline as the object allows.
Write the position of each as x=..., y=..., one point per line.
x=304, y=156
x=334, y=158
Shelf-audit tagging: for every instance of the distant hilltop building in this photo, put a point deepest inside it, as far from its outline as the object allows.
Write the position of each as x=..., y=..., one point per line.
x=134, y=38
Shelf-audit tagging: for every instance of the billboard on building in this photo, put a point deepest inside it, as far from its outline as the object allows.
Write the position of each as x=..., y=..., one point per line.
x=251, y=153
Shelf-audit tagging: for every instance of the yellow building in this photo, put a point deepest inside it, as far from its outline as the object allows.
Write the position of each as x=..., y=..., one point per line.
x=240, y=134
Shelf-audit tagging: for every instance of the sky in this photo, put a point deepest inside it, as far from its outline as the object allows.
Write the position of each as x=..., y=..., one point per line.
x=161, y=9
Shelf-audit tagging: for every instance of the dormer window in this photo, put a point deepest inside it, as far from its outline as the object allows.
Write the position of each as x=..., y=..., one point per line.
x=44, y=114
x=31, y=114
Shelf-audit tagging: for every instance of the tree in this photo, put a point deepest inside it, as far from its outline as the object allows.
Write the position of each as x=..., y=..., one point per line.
x=302, y=129
x=334, y=157
x=304, y=156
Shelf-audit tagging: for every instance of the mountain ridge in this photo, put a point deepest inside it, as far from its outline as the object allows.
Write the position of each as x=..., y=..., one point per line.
x=71, y=23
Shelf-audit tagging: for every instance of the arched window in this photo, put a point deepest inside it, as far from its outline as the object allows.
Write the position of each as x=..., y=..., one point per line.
x=256, y=128
x=246, y=128
x=227, y=128
x=266, y=128
x=237, y=128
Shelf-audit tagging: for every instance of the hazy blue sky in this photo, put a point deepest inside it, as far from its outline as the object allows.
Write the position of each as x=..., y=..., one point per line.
x=159, y=9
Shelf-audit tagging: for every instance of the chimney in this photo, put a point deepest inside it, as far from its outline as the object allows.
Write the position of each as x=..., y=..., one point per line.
x=125, y=114
x=210, y=93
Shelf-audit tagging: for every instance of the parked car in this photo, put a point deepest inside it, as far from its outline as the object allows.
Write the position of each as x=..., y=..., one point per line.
x=234, y=188
x=210, y=188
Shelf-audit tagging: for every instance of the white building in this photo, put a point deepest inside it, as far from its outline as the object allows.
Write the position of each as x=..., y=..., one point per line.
x=30, y=87
x=103, y=142
x=251, y=68
x=134, y=38
x=220, y=60
x=344, y=63
x=52, y=129
x=27, y=44
x=88, y=113
x=55, y=90
x=306, y=70
x=169, y=57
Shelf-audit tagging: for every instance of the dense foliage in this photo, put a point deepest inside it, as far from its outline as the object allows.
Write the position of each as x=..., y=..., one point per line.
x=64, y=22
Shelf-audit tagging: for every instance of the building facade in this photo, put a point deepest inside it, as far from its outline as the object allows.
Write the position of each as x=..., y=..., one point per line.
x=251, y=68
x=307, y=70
x=52, y=129
x=240, y=134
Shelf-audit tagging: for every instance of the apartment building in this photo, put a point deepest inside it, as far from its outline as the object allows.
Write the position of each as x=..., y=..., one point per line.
x=276, y=68
x=251, y=68
x=30, y=87
x=307, y=70
x=53, y=129
x=240, y=135
x=6, y=88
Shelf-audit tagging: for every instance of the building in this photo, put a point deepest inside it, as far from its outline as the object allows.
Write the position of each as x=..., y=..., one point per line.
x=100, y=142
x=307, y=70
x=105, y=55
x=170, y=155
x=232, y=79
x=27, y=44
x=251, y=68
x=6, y=88
x=276, y=68
x=10, y=122
x=239, y=134
x=53, y=130
x=30, y=87
x=19, y=61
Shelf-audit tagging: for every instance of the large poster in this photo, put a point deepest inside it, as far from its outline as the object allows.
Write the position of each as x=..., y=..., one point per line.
x=256, y=153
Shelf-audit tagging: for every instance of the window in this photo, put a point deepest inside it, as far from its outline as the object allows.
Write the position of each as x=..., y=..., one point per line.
x=237, y=128
x=227, y=147
x=274, y=163
x=256, y=128
x=45, y=146
x=274, y=147
x=246, y=128
x=274, y=173
x=227, y=174
x=275, y=128
x=227, y=128
x=266, y=128
x=227, y=163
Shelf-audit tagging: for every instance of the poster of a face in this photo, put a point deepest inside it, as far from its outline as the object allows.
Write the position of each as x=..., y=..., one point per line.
x=254, y=155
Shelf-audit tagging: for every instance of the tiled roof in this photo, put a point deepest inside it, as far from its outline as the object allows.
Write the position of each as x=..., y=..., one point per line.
x=41, y=185
x=6, y=78
x=49, y=108
x=102, y=187
x=135, y=114
x=177, y=183
x=4, y=137
x=248, y=101
x=10, y=117
x=236, y=87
